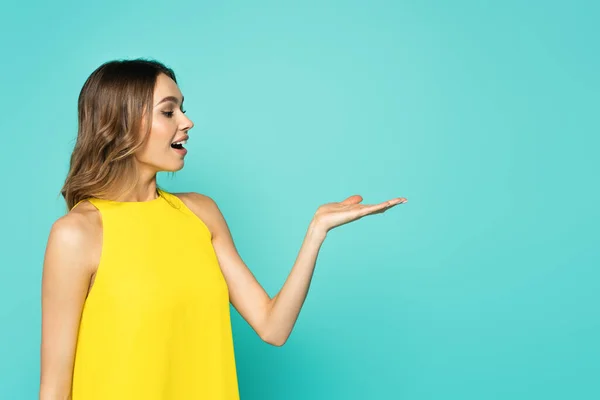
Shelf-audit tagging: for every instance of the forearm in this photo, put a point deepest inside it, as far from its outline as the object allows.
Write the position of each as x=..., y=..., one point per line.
x=46, y=393
x=286, y=305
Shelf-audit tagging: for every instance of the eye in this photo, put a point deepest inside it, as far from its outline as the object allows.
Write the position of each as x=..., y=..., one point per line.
x=169, y=114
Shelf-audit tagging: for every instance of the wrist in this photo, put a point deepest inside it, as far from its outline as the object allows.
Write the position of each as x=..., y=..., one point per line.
x=316, y=230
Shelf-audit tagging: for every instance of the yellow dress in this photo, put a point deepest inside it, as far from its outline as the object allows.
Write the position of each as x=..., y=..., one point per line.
x=156, y=324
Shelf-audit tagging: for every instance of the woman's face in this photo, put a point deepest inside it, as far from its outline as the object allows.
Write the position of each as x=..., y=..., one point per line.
x=169, y=124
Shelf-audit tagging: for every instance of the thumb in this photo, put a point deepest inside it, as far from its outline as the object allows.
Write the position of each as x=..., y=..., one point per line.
x=354, y=199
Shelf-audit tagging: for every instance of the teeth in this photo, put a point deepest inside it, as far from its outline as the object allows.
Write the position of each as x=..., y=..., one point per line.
x=182, y=142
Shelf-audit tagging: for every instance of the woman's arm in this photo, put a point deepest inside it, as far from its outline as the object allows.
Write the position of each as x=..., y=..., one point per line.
x=65, y=281
x=245, y=293
x=273, y=319
x=286, y=305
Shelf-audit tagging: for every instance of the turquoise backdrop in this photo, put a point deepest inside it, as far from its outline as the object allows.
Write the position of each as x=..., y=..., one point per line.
x=485, y=285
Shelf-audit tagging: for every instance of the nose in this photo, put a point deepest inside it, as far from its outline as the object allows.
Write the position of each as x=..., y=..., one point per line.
x=187, y=124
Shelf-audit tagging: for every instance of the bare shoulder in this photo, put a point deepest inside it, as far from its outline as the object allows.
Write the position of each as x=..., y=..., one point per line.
x=77, y=236
x=204, y=207
x=79, y=224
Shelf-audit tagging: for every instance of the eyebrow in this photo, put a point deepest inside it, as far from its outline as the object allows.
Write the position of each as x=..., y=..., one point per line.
x=171, y=99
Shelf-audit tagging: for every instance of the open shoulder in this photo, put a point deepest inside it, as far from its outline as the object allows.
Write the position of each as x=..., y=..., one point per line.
x=196, y=198
x=74, y=237
x=205, y=208
x=65, y=284
x=78, y=225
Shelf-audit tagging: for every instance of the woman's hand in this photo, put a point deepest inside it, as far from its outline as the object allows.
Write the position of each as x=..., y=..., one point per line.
x=331, y=215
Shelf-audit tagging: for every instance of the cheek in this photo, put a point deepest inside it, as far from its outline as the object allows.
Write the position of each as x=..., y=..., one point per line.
x=162, y=132
x=159, y=141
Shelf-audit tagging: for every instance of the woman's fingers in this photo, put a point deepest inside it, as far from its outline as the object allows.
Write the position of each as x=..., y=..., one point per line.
x=382, y=207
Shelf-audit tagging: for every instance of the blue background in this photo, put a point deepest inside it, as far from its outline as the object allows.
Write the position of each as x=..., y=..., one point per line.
x=485, y=285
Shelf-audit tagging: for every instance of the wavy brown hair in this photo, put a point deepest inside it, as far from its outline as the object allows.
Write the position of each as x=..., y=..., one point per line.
x=114, y=121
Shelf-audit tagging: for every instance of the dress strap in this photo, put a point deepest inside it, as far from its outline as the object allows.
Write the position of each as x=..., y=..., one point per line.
x=80, y=201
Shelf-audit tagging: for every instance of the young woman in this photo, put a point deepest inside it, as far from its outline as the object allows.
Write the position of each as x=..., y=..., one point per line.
x=136, y=280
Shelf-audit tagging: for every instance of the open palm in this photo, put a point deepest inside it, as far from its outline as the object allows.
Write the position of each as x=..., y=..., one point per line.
x=331, y=215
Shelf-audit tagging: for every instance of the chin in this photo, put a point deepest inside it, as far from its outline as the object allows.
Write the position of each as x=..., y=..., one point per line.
x=170, y=168
x=176, y=168
x=181, y=167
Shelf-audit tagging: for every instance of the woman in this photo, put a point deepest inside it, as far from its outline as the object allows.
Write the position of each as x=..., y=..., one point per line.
x=136, y=280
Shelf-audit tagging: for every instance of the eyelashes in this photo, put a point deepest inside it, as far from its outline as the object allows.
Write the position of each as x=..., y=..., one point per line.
x=169, y=114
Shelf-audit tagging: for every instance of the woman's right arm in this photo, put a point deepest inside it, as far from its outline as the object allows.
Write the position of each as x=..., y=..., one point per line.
x=65, y=281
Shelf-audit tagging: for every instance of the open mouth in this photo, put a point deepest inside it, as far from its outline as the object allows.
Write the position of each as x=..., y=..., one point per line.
x=178, y=145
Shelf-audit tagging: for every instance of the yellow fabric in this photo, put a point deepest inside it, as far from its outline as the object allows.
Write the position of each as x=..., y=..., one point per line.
x=156, y=323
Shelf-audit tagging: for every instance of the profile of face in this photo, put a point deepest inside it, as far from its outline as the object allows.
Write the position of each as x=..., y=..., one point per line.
x=169, y=125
